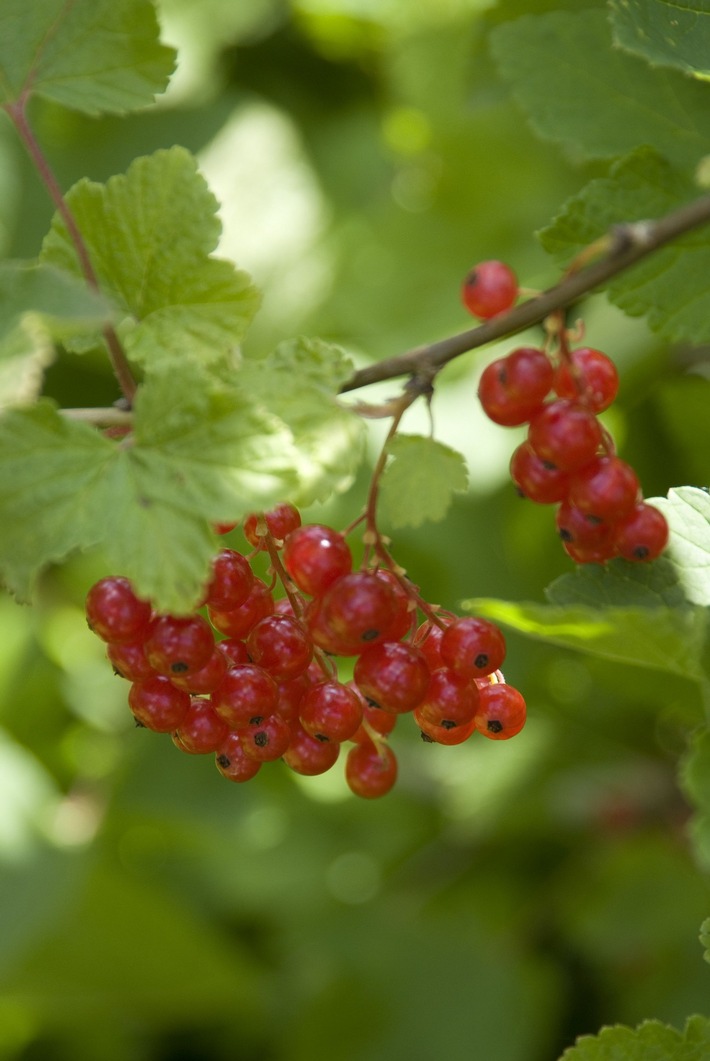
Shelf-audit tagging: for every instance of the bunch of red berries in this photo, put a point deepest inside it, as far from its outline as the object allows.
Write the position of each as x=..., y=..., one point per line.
x=253, y=679
x=568, y=457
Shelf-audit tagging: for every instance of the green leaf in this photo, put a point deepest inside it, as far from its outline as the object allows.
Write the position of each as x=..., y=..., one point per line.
x=687, y=510
x=149, y=234
x=419, y=481
x=651, y=1041
x=674, y=297
x=664, y=32
x=705, y=938
x=197, y=457
x=298, y=383
x=596, y=100
x=90, y=55
x=38, y=305
x=667, y=639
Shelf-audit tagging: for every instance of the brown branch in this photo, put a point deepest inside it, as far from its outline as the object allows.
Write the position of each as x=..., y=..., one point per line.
x=119, y=362
x=623, y=246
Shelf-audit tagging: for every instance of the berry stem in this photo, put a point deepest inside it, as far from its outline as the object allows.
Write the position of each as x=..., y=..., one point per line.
x=623, y=246
x=18, y=115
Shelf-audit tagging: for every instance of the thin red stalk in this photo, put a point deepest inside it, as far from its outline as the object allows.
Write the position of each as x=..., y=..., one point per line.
x=117, y=356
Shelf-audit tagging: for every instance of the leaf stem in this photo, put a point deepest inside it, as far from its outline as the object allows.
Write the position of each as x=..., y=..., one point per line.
x=18, y=115
x=623, y=246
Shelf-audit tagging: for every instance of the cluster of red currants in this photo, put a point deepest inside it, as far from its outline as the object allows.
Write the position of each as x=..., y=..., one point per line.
x=568, y=457
x=253, y=679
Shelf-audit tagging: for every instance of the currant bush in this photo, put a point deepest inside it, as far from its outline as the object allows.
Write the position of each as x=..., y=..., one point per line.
x=250, y=679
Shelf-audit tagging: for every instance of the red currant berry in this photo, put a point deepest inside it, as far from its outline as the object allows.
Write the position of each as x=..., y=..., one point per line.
x=393, y=675
x=224, y=528
x=589, y=377
x=513, y=388
x=266, y=739
x=360, y=607
x=370, y=770
x=309, y=756
x=590, y=554
x=501, y=713
x=201, y=729
x=115, y=613
x=232, y=762
x=291, y=694
x=157, y=704
x=233, y=650
x=315, y=556
x=540, y=482
x=231, y=581
x=565, y=434
x=237, y=622
x=581, y=530
x=448, y=735
x=406, y=612
x=281, y=646
x=330, y=711
x=179, y=644
x=373, y=718
x=642, y=535
x=246, y=692
x=279, y=522
x=472, y=647
x=129, y=661
x=207, y=678
x=428, y=640
x=451, y=700
x=490, y=288
x=607, y=489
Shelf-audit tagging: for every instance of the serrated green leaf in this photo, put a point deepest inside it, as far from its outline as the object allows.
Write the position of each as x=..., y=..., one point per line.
x=664, y=32
x=149, y=234
x=705, y=938
x=674, y=297
x=687, y=510
x=596, y=100
x=667, y=639
x=198, y=457
x=420, y=480
x=90, y=55
x=651, y=1041
x=298, y=383
x=39, y=304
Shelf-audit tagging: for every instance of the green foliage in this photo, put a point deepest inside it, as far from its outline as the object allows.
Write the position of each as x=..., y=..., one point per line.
x=92, y=55
x=664, y=32
x=149, y=235
x=652, y=1041
x=366, y=156
x=419, y=482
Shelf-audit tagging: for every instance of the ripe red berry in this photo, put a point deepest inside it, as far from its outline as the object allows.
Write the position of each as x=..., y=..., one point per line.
x=246, y=692
x=266, y=739
x=450, y=700
x=309, y=756
x=237, y=622
x=231, y=581
x=279, y=522
x=115, y=613
x=565, y=434
x=157, y=704
x=207, y=678
x=179, y=644
x=513, y=388
x=449, y=735
x=540, y=482
x=490, y=288
x=581, y=530
x=130, y=661
x=360, y=608
x=607, y=489
x=370, y=770
x=201, y=729
x=281, y=645
x=472, y=647
x=330, y=711
x=590, y=377
x=642, y=535
x=315, y=556
x=501, y=712
x=232, y=762
x=394, y=675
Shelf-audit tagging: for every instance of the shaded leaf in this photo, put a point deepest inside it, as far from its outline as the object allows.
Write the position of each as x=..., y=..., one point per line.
x=664, y=32
x=420, y=480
